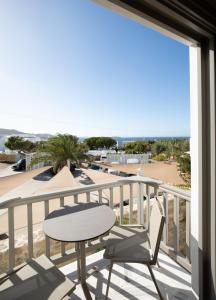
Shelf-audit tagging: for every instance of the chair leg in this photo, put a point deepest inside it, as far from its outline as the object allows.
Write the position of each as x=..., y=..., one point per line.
x=158, y=263
x=155, y=282
x=109, y=277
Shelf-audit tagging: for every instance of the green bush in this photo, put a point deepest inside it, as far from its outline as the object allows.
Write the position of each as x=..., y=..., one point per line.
x=184, y=162
x=160, y=157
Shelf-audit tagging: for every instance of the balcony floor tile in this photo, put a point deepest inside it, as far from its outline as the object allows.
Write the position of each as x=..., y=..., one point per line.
x=132, y=281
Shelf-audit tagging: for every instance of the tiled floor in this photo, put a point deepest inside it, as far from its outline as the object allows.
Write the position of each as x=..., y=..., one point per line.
x=133, y=281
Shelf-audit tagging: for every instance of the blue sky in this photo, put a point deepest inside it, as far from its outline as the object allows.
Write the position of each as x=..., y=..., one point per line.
x=75, y=67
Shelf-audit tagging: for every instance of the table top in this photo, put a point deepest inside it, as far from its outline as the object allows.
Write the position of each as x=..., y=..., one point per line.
x=79, y=222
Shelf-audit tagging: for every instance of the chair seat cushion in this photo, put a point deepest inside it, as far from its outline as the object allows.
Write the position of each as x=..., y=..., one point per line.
x=39, y=279
x=132, y=249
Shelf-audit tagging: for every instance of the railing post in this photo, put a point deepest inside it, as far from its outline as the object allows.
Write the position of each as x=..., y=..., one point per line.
x=88, y=197
x=140, y=212
x=121, y=204
x=166, y=225
x=176, y=224
x=111, y=197
x=131, y=204
x=30, y=230
x=62, y=243
x=100, y=196
x=147, y=207
x=75, y=198
x=47, y=240
x=155, y=190
x=11, y=237
x=61, y=201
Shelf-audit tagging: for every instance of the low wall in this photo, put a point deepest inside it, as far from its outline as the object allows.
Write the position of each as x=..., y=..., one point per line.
x=8, y=158
x=126, y=158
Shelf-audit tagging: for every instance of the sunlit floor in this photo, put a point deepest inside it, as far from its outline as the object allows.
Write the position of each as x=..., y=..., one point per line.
x=133, y=281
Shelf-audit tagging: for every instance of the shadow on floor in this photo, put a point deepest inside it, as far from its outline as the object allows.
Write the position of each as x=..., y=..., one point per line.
x=44, y=176
x=129, y=276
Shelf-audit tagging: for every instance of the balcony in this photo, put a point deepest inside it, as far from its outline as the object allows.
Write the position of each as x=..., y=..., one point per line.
x=131, y=200
x=132, y=281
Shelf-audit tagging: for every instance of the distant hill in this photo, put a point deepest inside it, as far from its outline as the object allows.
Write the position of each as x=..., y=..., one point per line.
x=4, y=132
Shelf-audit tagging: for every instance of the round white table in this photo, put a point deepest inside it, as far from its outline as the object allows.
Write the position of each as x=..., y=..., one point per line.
x=79, y=223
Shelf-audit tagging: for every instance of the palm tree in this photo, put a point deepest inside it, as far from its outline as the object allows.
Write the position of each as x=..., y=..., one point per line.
x=59, y=149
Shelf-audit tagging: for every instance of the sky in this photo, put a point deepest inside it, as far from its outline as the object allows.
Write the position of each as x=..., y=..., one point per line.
x=69, y=66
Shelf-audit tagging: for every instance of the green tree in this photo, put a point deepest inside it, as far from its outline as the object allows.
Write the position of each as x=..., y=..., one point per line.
x=14, y=142
x=19, y=144
x=137, y=147
x=59, y=149
x=158, y=148
x=95, y=143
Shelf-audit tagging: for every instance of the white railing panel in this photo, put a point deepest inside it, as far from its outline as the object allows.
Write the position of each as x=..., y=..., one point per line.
x=99, y=192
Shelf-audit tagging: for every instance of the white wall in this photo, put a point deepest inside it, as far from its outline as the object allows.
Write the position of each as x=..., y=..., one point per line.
x=196, y=159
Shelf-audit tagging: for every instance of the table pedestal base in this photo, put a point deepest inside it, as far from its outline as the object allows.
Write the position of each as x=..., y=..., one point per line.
x=81, y=269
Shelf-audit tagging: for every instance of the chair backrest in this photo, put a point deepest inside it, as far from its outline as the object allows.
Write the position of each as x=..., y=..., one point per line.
x=155, y=229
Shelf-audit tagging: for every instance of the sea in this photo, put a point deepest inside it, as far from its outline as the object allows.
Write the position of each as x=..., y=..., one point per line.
x=123, y=140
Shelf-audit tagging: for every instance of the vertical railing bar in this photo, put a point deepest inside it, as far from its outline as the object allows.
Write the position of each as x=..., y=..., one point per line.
x=121, y=204
x=176, y=224
x=11, y=238
x=76, y=198
x=167, y=218
x=100, y=196
x=30, y=230
x=188, y=231
x=100, y=201
x=142, y=203
x=140, y=213
x=88, y=197
x=47, y=240
x=147, y=207
x=61, y=201
x=155, y=190
x=138, y=206
x=111, y=197
x=131, y=204
x=62, y=243
x=88, y=200
x=165, y=230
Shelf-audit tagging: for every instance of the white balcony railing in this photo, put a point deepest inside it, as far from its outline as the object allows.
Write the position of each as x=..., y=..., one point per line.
x=137, y=192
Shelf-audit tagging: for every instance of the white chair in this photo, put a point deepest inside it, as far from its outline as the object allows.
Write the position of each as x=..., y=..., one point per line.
x=141, y=248
x=38, y=279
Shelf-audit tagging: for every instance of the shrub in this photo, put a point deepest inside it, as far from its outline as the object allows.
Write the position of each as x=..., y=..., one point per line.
x=160, y=157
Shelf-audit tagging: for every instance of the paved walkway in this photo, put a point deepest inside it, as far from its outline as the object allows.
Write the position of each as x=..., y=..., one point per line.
x=6, y=170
